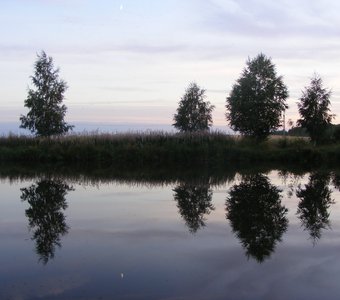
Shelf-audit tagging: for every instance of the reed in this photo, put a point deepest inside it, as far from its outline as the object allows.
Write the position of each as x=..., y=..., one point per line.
x=163, y=148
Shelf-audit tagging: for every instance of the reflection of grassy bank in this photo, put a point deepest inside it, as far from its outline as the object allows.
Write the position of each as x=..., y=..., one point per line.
x=94, y=173
x=98, y=174
x=162, y=149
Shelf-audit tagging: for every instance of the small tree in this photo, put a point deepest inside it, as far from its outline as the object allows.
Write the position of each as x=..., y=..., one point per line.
x=193, y=113
x=257, y=100
x=314, y=110
x=46, y=113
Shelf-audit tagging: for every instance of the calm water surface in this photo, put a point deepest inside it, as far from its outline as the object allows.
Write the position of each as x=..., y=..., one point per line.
x=255, y=236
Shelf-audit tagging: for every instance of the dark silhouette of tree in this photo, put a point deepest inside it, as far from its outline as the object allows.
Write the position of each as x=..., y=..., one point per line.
x=257, y=100
x=46, y=199
x=193, y=113
x=314, y=110
x=336, y=180
x=46, y=111
x=256, y=215
x=193, y=202
x=315, y=202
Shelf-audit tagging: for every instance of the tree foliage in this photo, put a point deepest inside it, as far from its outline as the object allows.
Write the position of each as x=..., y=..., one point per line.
x=193, y=113
x=46, y=111
x=257, y=99
x=314, y=109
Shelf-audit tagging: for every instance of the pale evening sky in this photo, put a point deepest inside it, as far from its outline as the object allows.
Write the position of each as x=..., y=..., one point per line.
x=130, y=61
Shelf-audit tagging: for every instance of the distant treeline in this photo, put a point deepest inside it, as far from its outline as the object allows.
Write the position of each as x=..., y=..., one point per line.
x=164, y=149
x=332, y=133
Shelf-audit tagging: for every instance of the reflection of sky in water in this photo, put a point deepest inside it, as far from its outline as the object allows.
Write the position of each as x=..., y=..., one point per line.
x=137, y=231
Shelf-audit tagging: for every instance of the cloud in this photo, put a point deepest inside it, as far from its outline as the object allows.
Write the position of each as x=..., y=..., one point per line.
x=137, y=48
x=16, y=50
x=125, y=89
x=148, y=48
x=142, y=102
x=215, y=91
x=275, y=18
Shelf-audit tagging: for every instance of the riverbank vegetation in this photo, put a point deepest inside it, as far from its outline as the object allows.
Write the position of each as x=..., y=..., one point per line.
x=165, y=149
x=255, y=107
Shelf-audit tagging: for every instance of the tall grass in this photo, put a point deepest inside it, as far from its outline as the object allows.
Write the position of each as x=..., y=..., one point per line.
x=162, y=148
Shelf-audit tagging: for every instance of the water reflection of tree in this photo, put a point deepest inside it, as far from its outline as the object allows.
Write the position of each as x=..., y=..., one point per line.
x=315, y=202
x=46, y=199
x=291, y=180
x=256, y=215
x=193, y=202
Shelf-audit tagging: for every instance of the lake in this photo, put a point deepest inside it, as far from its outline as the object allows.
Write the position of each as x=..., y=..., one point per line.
x=246, y=235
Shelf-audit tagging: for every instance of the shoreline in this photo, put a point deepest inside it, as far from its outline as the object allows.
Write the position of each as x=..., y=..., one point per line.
x=165, y=149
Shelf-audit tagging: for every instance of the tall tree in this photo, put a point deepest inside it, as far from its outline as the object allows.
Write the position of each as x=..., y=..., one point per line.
x=314, y=109
x=46, y=111
x=193, y=113
x=257, y=99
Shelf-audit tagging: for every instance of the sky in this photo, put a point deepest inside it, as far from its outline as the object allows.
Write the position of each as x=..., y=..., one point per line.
x=128, y=62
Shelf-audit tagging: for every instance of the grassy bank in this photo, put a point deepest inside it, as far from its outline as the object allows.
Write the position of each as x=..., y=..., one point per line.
x=164, y=149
